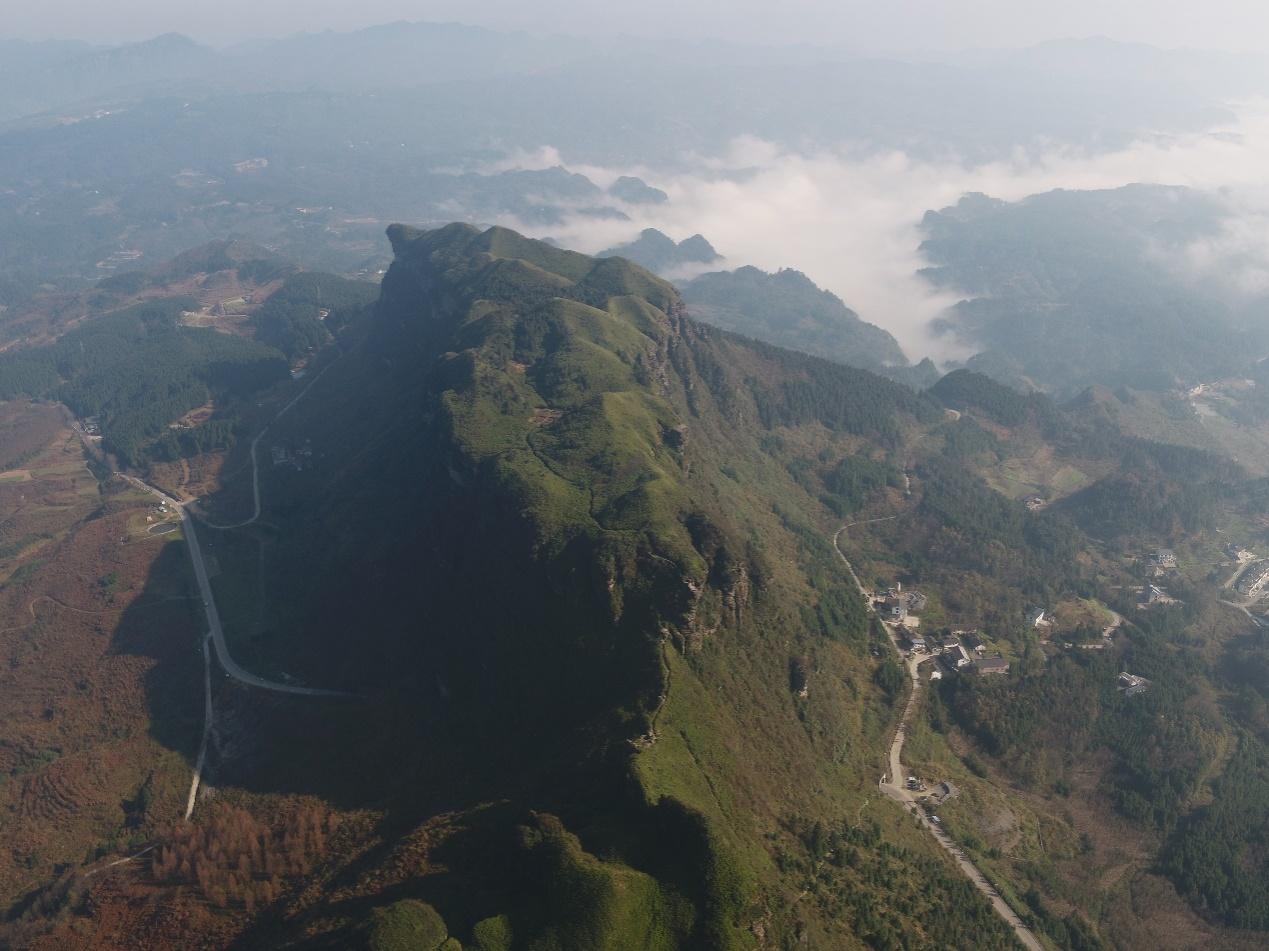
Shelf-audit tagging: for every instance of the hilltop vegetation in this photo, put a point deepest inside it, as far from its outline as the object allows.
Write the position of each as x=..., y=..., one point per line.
x=299, y=316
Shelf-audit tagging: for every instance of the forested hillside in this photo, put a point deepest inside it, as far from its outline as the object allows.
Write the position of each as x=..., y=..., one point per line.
x=137, y=370
x=298, y=318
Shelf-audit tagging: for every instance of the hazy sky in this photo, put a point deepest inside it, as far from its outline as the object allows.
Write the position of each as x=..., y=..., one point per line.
x=859, y=24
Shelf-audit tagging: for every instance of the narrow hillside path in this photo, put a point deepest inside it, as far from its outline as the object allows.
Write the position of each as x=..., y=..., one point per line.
x=117, y=862
x=895, y=790
x=208, y=713
x=1244, y=609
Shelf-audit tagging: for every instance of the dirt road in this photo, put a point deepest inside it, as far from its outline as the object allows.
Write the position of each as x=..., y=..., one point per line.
x=894, y=788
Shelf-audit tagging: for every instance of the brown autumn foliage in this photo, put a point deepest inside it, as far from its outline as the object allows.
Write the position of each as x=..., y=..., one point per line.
x=236, y=859
x=97, y=640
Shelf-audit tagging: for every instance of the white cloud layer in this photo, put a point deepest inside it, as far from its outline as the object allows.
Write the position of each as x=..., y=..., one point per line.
x=851, y=221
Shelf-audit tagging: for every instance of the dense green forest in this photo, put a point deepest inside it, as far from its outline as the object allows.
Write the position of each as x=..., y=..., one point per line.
x=964, y=389
x=1157, y=491
x=853, y=400
x=976, y=528
x=1217, y=857
x=299, y=317
x=137, y=370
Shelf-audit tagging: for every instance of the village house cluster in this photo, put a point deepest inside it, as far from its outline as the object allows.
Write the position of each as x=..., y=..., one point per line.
x=957, y=651
x=960, y=651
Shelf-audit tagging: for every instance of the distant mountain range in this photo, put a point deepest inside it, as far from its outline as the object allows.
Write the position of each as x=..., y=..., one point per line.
x=1068, y=289
x=661, y=254
x=696, y=98
x=787, y=309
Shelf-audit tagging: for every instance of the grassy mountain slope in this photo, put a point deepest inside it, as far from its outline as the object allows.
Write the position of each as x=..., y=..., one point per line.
x=598, y=578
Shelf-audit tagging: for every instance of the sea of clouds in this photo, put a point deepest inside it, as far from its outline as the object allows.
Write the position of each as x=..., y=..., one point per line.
x=851, y=219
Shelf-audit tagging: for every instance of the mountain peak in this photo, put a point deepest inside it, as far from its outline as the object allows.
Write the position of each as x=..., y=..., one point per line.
x=637, y=191
x=658, y=252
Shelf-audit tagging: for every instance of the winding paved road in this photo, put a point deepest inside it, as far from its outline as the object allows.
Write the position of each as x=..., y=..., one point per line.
x=897, y=792
x=216, y=631
x=255, y=462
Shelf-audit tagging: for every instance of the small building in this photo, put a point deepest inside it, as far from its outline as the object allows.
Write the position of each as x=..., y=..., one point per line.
x=1033, y=503
x=991, y=665
x=960, y=657
x=945, y=791
x=1253, y=581
x=949, y=643
x=1035, y=617
x=1130, y=684
x=1156, y=596
x=894, y=608
x=914, y=641
x=1162, y=559
x=972, y=640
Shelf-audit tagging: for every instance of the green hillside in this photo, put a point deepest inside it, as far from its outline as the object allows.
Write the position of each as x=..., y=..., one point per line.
x=601, y=571
x=628, y=695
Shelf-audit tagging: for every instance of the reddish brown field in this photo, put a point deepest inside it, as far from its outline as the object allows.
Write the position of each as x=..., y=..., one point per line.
x=101, y=703
x=99, y=672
